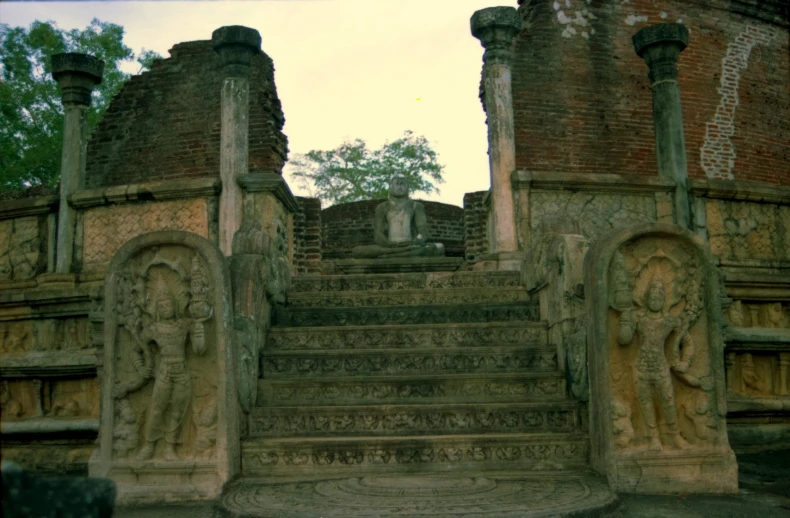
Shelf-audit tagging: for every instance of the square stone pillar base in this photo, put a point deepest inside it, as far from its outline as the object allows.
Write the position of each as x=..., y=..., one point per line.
x=502, y=261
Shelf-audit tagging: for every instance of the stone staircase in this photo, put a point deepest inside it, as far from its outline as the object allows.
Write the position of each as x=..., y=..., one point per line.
x=410, y=373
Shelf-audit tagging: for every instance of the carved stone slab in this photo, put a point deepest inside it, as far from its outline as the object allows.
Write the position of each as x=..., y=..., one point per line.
x=169, y=418
x=656, y=364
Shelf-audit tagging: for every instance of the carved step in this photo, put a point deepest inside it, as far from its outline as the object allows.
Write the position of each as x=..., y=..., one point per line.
x=414, y=420
x=376, y=362
x=347, y=299
x=302, y=317
x=405, y=281
x=389, y=454
x=411, y=389
x=407, y=336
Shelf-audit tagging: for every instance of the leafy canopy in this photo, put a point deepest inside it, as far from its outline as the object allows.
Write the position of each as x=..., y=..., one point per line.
x=352, y=172
x=31, y=114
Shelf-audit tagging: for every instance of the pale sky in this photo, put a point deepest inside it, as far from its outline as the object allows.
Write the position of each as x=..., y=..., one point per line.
x=344, y=69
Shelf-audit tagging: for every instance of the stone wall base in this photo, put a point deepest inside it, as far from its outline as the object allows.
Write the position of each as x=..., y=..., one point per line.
x=674, y=472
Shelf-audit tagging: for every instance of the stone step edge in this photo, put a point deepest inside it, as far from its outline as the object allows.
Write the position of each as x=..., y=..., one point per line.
x=406, y=275
x=400, y=351
x=564, y=437
x=344, y=294
x=503, y=376
x=527, y=324
x=566, y=404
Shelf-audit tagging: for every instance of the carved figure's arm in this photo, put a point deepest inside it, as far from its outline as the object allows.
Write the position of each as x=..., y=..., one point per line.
x=625, y=334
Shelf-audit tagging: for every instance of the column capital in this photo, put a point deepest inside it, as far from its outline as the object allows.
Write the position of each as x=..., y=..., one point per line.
x=236, y=45
x=496, y=27
x=77, y=74
x=660, y=46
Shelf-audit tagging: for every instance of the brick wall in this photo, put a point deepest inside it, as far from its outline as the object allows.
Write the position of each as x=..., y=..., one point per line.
x=165, y=123
x=582, y=98
x=307, y=236
x=475, y=226
x=350, y=224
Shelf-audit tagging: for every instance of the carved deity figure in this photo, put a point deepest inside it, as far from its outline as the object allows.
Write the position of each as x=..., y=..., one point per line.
x=125, y=431
x=400, y=227
x=172, y=391
x=206, y=424
x=652, y=375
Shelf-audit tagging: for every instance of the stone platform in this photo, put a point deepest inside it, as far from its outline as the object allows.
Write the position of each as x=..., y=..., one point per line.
x=398, y=265
x=451, y=495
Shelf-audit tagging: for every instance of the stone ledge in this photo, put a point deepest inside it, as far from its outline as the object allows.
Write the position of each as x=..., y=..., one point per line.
x=148, y=191
x=49, y=363
x=757, y=286
x=762, y=404
x=758, y=338
x=49, y=425
x=29, y=207
x=270, y=182
x=399, y=265
x=591, y=182
x=740, y=191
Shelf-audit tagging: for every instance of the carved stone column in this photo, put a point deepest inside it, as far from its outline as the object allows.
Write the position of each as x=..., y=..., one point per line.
x=496, y=27
x=76, y=74
x=236, y=45
x=660, y=46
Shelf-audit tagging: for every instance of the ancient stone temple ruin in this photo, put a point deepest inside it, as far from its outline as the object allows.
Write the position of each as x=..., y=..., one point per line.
x=611, y=316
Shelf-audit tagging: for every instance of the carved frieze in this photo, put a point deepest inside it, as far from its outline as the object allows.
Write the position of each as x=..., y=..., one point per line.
x=418, y=391
x=336, y=283
x=410, y=421
x=406, y=336
x=544, y=454
x=452, y=362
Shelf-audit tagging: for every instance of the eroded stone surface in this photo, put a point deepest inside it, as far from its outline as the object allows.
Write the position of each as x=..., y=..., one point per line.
x=437, y=495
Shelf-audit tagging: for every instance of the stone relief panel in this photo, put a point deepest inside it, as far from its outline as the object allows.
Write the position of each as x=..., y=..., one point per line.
x=57, y=334
x=20, y=399
x=165, y=380
x=108, y=228
x=773, y=315
x=20, y=249
x=744, y=231
x=74, y=398
x=758, y=374
x=656, y=363
x=596, y=213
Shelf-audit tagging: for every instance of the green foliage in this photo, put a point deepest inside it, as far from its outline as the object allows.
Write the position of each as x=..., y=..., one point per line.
x=31, y=114
x=352, y=172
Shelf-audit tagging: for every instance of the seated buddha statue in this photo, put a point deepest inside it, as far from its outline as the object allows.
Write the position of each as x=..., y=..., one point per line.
x=399, y=228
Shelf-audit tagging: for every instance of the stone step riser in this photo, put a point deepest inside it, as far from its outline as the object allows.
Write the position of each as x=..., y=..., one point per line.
x=402, y=391
x=383, y=363
x=407, y=336
x=260, y=458
x=408, y=281
x=407, y=297
x=412, y=421
x=399, y=315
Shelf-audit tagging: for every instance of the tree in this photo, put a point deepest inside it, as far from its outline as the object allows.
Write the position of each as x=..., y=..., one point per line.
x=31, y=114
x=352, y=172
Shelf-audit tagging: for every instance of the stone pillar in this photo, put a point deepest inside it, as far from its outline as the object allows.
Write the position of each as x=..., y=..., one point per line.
x=660, y=46
x=76, y=74
x=496, y=27
x=236, y=45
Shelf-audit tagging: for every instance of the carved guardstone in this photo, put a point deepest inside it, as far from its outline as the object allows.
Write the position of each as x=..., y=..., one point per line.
x=655, y=355
x=169, y=426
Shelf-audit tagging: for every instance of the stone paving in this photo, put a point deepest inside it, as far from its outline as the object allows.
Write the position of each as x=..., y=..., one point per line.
x=764, y=493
